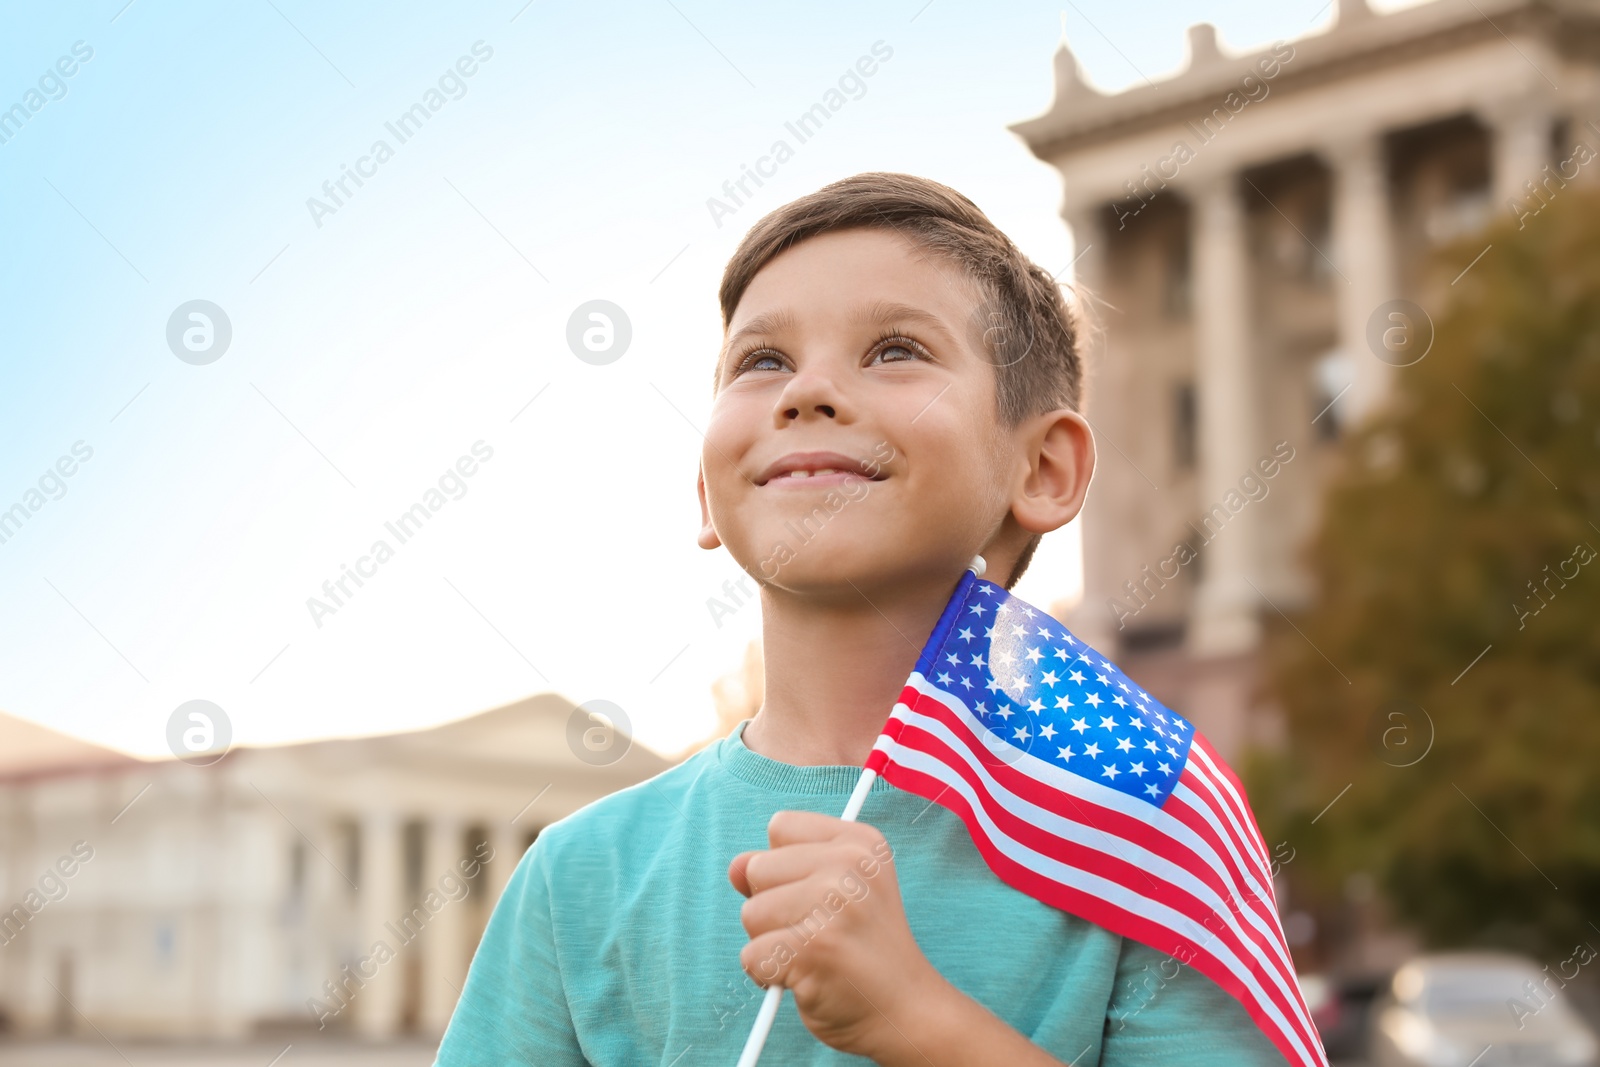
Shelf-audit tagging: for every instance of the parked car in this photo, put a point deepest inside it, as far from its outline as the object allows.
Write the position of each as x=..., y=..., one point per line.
x=1341, y=1008
x=1479, y=1009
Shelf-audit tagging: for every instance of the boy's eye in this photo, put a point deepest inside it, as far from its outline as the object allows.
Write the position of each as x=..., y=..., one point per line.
x=895, y=350
x=760, y=359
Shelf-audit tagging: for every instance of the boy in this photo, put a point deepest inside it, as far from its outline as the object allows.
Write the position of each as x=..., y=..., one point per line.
x=898, y=381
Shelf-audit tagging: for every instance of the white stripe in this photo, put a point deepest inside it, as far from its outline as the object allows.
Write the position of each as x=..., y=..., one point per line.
x=1207, y=810
x=1084, y=881
x=1067, y=829
x=1260, y=912
x=1237, y=812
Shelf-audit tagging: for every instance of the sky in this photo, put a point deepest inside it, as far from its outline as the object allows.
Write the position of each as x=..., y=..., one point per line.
x=408, y=335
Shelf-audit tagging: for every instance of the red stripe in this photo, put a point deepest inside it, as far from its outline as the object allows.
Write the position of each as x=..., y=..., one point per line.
x=1111, y=867
x=1116, y=826
x=1241, y=808
x=1114, y=823
x=1102, y=912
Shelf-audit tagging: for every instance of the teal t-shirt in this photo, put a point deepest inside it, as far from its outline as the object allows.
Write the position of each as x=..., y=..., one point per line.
x=616, y=942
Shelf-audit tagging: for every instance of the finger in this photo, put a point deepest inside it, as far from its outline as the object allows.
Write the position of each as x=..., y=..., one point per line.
x=803, y=908
x=791, y=863
x=794, y=827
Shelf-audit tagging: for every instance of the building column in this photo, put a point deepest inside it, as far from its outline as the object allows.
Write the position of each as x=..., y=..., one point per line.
x=382, y=891
x=444, y=961
x=1363, y=249
x=1224, y=617
x=1090, y=620
x=1519, y=150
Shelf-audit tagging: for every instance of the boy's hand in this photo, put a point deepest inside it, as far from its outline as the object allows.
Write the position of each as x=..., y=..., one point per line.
x=825, y=920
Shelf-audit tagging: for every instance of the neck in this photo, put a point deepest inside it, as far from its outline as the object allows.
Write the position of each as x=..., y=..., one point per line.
x=834, y=670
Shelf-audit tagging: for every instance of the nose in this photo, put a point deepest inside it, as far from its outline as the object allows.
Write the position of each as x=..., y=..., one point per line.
x=810, y=394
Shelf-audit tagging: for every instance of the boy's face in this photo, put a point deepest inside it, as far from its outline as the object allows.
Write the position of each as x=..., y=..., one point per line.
x=908, y=424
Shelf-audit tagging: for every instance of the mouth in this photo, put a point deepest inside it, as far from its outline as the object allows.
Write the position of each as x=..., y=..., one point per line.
x=818, y=470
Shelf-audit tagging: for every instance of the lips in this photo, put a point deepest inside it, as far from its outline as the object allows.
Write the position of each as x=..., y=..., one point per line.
x=817, y=468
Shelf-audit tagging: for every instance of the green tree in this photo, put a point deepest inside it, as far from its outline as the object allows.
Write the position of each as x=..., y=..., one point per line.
x=1463, y=520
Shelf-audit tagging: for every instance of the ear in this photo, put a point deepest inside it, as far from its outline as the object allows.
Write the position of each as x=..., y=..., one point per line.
x=707, y=538
x=1058, y=449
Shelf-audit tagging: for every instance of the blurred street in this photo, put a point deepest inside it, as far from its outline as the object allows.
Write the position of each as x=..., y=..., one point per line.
x=194, y=1054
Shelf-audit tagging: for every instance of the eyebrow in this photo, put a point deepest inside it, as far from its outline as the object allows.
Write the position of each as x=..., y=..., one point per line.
x=881, y=312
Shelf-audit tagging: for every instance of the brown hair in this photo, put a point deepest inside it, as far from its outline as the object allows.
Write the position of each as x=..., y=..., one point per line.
x=1022, y=323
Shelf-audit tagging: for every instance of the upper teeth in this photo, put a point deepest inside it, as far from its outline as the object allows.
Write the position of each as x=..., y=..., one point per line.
x=807, y=474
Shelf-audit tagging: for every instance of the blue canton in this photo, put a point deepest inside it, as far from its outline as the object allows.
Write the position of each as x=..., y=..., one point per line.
x=1040, y=690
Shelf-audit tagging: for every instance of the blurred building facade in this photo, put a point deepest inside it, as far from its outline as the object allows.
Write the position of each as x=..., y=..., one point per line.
x=251, y=896
x=1243, y=228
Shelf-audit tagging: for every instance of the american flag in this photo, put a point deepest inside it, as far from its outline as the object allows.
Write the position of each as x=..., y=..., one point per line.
x=1083, y=791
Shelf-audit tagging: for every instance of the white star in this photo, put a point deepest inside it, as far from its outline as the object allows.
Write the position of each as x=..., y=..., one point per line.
x=1076, y=676
x=1123, y=686
x=1069, y=639
x=1064, y=753
x=966, y=683
x=1061, y=654
x=1093, y=700
x=1021, y=733
x=976, y=609
x=1062, y=703
x=1153, y=789
x=1172, y=752
x=1018, y=631
x=1004, y=711
x=1034, y=655
x=1029, y=612
x=1107, y=664
x=1102, y=679
x=944, y=678
x=1048, y=678
x=965, y=634
x=1137, y=768
x=1092, y=750
x=983, y=709
x=1152, y=746
x=993, y=686
x=1110, y=771
x=1085, y=657
x=1124, y=744
x=1005, y=658
x=1107, y=723
x=1044, y=633
x=953, y=660
x=977, y=661
x=1136, y=722
x=1079, y=725
x=1117, y=700
x=1164, y=768
x=1035, y=705
x=1047, y=731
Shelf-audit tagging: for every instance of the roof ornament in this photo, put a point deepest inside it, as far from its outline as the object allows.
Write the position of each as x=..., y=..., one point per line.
x=1069, y=78
x=1203, y=50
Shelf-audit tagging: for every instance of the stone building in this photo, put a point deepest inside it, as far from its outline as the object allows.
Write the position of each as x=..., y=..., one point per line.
x=1248, y=226
x=164, y=899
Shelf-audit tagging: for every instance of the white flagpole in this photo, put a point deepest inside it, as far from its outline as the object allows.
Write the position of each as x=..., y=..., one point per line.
x=774, y=996
x=769, y=1003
